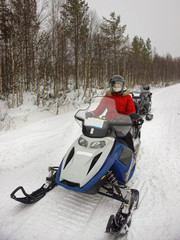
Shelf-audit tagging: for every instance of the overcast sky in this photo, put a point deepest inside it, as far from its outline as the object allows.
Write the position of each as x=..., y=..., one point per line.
x=157, y=19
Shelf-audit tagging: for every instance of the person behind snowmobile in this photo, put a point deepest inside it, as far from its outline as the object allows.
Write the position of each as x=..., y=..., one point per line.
x=123, y=101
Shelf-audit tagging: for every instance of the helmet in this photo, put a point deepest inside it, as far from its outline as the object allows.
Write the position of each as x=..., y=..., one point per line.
x=116, y=84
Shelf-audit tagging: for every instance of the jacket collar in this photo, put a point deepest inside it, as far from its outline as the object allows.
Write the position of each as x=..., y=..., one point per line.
x=110, y=94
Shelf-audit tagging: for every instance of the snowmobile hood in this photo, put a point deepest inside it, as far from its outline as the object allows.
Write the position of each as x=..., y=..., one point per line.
x=84, y=160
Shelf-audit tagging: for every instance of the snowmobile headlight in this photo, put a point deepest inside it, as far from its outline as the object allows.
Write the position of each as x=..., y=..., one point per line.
x=82, y=142
x=98, y=144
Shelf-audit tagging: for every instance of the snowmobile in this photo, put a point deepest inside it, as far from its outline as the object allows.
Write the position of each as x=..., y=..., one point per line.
x=142, y=98
x=99, y=161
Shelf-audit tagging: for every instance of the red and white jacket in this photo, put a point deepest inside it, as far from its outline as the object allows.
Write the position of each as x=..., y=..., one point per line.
x=124, y=104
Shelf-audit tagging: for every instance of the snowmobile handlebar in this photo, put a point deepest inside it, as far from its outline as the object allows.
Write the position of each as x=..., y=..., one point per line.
x=138, y=122
x=136, y=119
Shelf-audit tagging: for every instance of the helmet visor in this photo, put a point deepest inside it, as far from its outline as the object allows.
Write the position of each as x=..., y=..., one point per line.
x=117, y=87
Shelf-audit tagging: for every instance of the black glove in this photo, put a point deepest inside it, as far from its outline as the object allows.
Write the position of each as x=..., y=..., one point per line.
x=134, y=116
x=89, y=114
x=137, y=120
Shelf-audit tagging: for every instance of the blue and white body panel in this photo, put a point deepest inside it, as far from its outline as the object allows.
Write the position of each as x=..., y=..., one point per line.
x=89, y=159
x=84, y=159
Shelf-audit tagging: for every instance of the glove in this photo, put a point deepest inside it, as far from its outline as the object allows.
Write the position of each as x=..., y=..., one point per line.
x=134, y=116
x=89, y=114
x=137, y=120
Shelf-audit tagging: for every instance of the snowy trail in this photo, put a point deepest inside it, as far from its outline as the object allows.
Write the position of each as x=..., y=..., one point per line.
x=159, y=168
x=26, y=153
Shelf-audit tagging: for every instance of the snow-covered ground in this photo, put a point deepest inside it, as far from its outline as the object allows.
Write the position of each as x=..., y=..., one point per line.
x=40, y=140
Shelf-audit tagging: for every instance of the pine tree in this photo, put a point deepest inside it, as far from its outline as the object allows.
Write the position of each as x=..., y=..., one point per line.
x=75, y=19
x=141, y=59
x=114, y=39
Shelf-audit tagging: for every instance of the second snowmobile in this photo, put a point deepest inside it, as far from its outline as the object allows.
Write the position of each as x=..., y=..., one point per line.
x=142, y=98
x=99, y=161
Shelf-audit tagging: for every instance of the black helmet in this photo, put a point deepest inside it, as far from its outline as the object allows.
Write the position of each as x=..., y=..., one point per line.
x=116, y=84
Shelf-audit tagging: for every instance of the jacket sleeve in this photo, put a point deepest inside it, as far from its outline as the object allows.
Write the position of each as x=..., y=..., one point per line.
x=101, y=107
x=130, y=105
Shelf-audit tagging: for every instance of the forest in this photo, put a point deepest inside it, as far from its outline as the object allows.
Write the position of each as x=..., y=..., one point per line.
x=53, y=47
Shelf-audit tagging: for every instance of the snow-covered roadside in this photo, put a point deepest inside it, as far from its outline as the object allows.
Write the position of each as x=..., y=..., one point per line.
x=27, y=151
x=158, y=170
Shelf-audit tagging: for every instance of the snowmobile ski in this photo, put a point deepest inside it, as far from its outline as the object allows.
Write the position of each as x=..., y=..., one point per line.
x=40, y=192
x=119, y=224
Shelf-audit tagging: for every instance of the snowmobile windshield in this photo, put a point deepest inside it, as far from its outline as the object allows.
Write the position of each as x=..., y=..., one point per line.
x=139, y=90
x=101, y=119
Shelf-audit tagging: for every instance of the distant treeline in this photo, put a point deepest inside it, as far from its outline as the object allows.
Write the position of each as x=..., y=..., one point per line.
x=61, y=44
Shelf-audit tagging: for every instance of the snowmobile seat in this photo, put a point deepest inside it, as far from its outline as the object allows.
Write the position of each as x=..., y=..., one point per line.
x=146, y=88
x=136, y=106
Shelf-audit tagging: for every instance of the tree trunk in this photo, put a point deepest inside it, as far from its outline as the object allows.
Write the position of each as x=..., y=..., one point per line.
x=45, y=82
x=85, y=76
x=13, y=72
x=0, y=76
x=106, y=70
x=22, y=74
x=37, y=69
x=89, y=76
